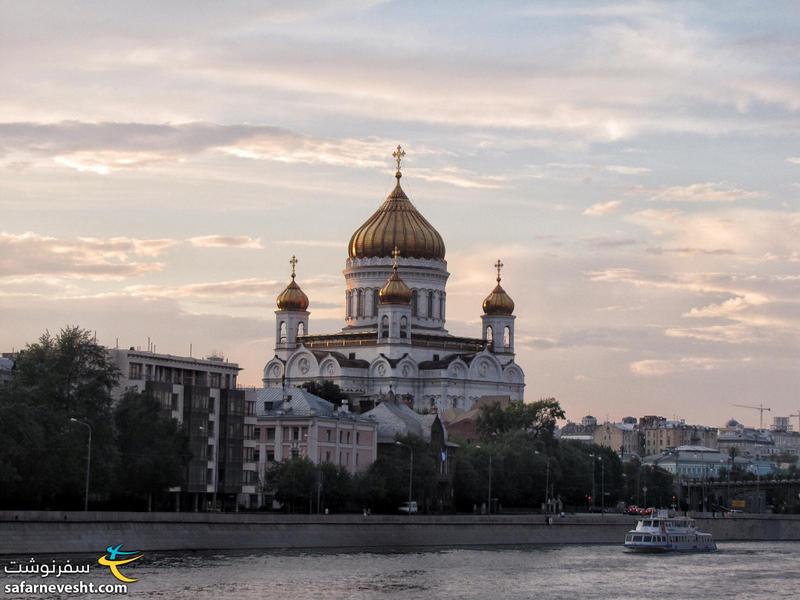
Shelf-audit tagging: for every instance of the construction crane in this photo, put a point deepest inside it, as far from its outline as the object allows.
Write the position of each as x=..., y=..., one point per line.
x=798, y=419
x=760, y=408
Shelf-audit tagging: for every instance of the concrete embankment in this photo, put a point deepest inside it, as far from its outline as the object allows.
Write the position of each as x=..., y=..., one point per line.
x=61, y=532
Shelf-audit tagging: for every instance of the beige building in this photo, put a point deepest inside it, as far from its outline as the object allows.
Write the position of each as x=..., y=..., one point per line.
x=661, y=434
x=624, y=438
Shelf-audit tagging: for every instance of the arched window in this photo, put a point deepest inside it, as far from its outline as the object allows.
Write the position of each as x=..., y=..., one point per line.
x=441, y=305
x=347, y=307
x=414, y=303
x=429, y=314
x=359, y=303
x=282, y=333
x=489, y=335
x=507, y=337
x=403, y=327
x=385, y=326
x=374, y=303
x=301, y=329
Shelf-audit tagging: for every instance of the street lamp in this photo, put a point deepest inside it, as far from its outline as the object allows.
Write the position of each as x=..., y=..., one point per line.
x=88, y=462
x=489, y=503
x=594, y=489
x=410, y=472
x=546, y=482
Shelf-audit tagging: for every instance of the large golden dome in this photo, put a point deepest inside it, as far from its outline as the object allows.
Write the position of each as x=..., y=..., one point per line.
x=396, y=223
x=498, y=302
x=292, y=298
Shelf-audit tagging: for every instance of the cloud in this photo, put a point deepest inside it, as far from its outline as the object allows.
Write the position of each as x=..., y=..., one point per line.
x=794, y=160
x=659, y=367
x=226, y=241
x=702, y=192
x=32, y=254
x=603, y=208
x=626, y=170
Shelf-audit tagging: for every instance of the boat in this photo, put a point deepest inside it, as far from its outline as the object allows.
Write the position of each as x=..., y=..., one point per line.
x=662, y=533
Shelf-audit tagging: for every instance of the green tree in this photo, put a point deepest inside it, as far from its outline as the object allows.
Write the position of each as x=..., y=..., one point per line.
x=294, y=483
x=153, y=448
x=43, y=452
x=327, y=390
x=336, y=487
x=538, y=418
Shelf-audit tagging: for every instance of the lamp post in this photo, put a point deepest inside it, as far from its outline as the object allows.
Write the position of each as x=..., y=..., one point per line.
x=88, y=462
x=410, y=472
x=546, y=481
x=594, y=488
x=489, y=503
x=602, y=485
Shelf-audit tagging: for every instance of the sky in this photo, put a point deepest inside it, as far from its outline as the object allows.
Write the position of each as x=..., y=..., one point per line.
x=636, y=166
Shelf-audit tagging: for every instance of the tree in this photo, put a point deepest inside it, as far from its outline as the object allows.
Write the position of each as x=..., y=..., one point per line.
x=293, y=481
x=327, y=390
x=336, y=486
x=539, y=418
x=43, y=452
x=153, y=448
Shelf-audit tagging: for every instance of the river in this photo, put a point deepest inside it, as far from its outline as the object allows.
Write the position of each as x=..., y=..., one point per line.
x=738, y=570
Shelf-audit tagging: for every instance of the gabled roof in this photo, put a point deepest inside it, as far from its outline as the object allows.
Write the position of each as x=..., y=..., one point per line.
x=301, y=402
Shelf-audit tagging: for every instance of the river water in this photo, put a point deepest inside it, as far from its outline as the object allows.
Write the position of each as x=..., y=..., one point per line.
x=737, y=571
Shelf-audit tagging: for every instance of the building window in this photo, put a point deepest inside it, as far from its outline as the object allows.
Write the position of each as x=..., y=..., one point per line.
x=374, y=296
x=216, y=379
x=211, y=404
x=403, y=327
x=358, y=438
x=209, y=475
x=385, y=326
x=327, y=435
x=430, y=305
x=270, y=433
x=174, y=401
x=441, y=305
x=270, y=456
x=250, y=408
x=135, y=371
x=348, y=308
x=359, y=303
x=327, y=456
x=414, y=302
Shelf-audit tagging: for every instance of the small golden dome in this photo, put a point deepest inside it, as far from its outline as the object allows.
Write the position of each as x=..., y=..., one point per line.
x=498, y=302
x=397, y=223
x=395, y=290
x=292, y=298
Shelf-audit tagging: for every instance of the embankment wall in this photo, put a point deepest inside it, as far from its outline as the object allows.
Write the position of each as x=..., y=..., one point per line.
x=23, y=533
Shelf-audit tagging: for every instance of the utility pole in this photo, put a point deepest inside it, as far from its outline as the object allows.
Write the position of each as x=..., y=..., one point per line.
x=88, y=462
x=594, y=489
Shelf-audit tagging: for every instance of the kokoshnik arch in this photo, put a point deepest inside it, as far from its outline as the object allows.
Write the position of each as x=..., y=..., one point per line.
x=394, y=336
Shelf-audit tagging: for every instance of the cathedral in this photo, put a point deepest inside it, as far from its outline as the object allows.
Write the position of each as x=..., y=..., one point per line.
x=394, y=338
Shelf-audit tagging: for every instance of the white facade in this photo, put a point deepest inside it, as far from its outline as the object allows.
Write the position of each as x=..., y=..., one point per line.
x=400, y=347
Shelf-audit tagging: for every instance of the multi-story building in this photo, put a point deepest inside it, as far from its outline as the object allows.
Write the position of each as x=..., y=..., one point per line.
x=696, y=462
x=295, y=423
x=781, y=424
x=623, y=437
x=746, y=441
x=661, y=434
x=203, y=396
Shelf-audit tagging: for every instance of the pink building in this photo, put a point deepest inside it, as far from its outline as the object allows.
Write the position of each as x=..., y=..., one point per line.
x=297, y=423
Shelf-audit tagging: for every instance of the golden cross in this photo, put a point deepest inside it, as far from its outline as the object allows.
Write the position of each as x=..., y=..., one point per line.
x=293, y=262
x=498, y=265
x=395, y=255
x=398, y=156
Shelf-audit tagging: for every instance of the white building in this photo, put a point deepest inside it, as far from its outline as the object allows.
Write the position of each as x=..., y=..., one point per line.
x=394, y=335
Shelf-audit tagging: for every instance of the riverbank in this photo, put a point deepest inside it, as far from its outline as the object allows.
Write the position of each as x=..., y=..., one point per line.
x=35, y=532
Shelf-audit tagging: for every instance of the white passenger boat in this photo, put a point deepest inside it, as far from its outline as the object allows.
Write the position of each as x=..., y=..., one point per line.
x=662, y=533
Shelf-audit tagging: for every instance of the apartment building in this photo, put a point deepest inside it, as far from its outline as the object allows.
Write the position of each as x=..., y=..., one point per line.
x=201, y=394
